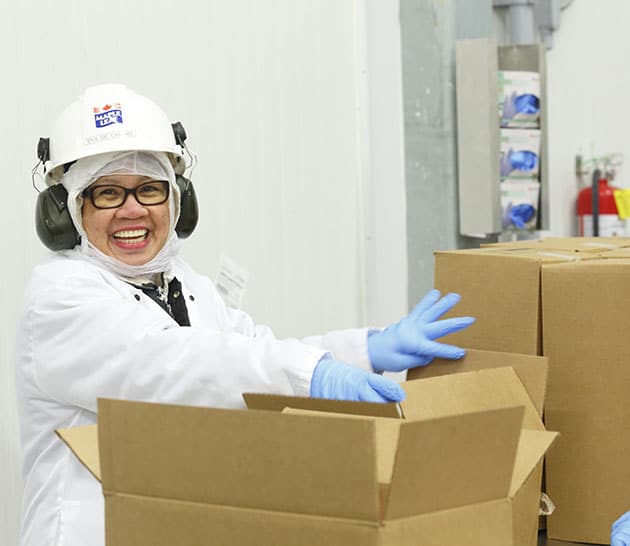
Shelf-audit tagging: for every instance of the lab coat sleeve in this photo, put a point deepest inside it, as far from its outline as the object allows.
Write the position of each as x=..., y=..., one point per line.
x=88, y=341
x=349, y=346
x=346, y=345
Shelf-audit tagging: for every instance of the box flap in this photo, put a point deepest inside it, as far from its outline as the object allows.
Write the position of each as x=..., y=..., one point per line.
x=387, y=432
x=275, y=402
x=531, y=370
x=470, y=391
x=83, y=441
x=454, y=461
x=244, y=458
x=532, y=446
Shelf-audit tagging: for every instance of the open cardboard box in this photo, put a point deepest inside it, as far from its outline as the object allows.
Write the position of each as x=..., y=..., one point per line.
x=451, y=465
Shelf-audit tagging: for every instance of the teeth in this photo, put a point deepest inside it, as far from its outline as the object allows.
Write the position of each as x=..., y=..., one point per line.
x=131, y=234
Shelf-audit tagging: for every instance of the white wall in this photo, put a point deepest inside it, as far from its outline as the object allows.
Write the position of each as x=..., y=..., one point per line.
x=294, y=110
x=588, y=93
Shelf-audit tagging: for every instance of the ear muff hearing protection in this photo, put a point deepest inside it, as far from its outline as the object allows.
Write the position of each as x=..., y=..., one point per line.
x=54, y=225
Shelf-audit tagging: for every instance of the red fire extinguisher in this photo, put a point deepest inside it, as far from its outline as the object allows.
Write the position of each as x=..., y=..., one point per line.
x=597, y=210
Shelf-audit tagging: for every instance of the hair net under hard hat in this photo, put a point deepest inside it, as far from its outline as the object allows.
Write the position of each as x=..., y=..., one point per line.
x=86, y=171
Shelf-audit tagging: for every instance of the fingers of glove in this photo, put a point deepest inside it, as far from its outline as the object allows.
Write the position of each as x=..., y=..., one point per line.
x=625, y=518
x=444, y=327
x=434, y=349
x=366, y=393
x=388, y=389
x=440, y=307
x=431, y=297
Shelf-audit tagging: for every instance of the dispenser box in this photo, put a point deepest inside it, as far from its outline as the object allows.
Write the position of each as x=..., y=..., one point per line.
x=520, y=154
x=566, y=299
x=519, y=204
x=453, y=464
x=519, y=99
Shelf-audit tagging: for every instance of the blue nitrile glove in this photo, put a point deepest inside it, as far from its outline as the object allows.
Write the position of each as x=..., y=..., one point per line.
x=527, y=104
x=409, y=343
x=620, y=532
x=523, y=160
x=340, y=381
x=519, y=160
x=521, y=214
x=520, y=104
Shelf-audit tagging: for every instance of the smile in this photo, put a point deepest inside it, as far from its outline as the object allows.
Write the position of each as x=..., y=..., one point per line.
x=131, y=236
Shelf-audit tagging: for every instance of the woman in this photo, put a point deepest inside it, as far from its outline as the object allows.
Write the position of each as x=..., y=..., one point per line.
x=119, y=314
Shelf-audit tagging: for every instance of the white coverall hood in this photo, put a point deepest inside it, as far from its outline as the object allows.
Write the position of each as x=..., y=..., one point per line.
x=86, y=170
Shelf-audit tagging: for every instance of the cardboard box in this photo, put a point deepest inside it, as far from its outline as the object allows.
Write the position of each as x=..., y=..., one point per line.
x=568, y=244
x=456, y=470
x=478, y=386
x=586, y=313
x=500, y=287
x=575, y=313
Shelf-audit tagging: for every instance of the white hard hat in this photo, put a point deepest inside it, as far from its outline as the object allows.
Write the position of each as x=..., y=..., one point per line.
x=110, y=118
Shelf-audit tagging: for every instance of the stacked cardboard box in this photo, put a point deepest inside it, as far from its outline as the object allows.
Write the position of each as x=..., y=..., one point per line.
x=566, y=299
x=454, y=464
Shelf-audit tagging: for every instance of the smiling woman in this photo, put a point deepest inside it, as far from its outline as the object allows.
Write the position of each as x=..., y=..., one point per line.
x=126, y=216
x=117, y=313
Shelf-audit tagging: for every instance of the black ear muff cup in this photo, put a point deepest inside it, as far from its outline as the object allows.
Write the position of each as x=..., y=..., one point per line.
x=52, y=219
x=188, y=208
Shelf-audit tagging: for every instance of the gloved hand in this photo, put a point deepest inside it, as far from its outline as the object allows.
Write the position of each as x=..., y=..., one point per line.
x=409, y=343
x=620, y=532
x=340, y=381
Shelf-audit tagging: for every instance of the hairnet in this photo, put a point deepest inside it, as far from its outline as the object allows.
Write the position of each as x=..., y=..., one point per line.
x=87, y=170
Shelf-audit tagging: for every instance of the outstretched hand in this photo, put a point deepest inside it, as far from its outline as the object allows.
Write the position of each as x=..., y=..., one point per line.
x=410, y=342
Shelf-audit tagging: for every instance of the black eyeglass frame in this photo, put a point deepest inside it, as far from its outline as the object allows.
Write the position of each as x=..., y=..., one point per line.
x=89, y=192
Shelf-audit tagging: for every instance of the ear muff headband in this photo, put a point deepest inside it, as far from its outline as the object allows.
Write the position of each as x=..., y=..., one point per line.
x=56, y=230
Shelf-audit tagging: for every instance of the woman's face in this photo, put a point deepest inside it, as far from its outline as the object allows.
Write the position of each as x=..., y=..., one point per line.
x=131, y=233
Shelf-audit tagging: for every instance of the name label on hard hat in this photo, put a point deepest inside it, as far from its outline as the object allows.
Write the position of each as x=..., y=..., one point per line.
x=112, y=135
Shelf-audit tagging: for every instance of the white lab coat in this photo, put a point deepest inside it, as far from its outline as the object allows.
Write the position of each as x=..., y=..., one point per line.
x=85, y=333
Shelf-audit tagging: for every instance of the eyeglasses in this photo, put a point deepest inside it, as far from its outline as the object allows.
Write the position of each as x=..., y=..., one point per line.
x=111, y=196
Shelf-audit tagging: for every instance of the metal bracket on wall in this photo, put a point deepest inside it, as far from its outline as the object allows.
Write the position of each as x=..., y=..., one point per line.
x=477, y=64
